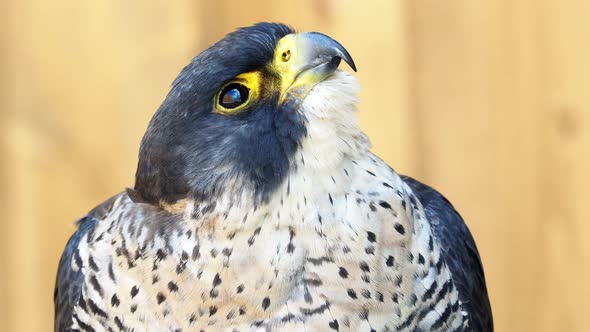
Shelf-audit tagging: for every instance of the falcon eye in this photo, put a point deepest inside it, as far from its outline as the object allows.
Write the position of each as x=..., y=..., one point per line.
x=237, y=94
x=233, y=95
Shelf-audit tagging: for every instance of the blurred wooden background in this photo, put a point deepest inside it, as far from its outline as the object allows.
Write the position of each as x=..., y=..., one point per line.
x=487, y=101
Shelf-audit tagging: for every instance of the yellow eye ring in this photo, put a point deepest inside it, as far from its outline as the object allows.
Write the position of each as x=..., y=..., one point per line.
x=237, y=94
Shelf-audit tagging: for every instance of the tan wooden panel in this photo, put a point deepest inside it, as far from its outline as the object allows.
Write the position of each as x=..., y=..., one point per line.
x=474, y=105
x=83, y=80
x=500, y=99
x=564, y=161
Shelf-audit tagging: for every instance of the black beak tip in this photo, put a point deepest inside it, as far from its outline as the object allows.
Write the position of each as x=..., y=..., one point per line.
x=351, y=64
x=329, y=45
x=344, y=55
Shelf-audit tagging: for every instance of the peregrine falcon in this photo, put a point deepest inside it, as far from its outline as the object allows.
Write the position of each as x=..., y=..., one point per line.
x=257, y=205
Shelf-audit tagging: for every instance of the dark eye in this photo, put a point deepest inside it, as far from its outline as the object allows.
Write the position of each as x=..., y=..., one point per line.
x=233, y=95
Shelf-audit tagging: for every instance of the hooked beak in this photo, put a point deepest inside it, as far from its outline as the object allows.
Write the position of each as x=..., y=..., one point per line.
x=305, y=59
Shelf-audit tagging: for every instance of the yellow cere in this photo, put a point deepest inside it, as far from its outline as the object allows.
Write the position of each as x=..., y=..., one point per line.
x=285, y=55
x=292, y=57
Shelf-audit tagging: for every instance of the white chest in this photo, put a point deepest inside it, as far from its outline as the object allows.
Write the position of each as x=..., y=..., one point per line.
x=350, y=253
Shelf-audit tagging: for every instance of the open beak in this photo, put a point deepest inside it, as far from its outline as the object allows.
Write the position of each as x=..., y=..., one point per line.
x=305, y=59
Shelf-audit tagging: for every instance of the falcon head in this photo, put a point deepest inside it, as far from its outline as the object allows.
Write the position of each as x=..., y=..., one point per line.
x=245, y=115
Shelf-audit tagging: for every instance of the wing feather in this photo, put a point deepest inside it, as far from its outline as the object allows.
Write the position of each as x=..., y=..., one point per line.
x=459, y=253
x=70, y=281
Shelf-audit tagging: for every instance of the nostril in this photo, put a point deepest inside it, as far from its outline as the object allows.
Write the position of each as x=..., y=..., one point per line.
x=286, y=55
